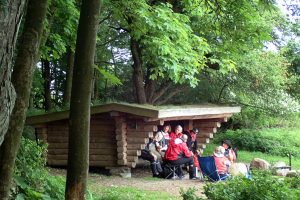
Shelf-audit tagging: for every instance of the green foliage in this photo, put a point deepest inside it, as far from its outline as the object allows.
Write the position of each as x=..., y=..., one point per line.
x=31, y=178
x=189, y=194
x=262, y=186
x=119, y=193
x=110, y=77
x=272, y=141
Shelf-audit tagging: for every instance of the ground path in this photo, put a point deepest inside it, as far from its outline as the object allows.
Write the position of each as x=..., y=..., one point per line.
x=141, y=179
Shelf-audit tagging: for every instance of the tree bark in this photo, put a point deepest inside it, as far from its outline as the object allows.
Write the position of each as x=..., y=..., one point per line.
x=79, y=126
x=68, y=86
x=22, y=80
x=138, y=75
x=10, y=19
x=47, y=85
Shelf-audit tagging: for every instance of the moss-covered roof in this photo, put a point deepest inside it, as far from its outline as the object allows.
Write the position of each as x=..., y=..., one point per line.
x=146, y=111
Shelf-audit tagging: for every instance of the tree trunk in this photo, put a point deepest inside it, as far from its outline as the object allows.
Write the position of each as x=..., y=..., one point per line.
x=10, y=18
x=79, y=127
x=47, y=85
x=138, y=75
x=68, y=85
x=22, y=80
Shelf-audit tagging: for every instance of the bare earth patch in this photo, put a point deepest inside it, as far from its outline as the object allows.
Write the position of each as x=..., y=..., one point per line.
x=141, y=179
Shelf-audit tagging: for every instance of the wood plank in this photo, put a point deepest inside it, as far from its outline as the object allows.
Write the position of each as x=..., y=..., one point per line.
x=132, y=159
x=134, y=152
x=141, y=127
x=141, y=140
x=121, y=149
x=122, y=162
x=208, y=124
x=112, y=151
x=203, y=140
x=131, y=164
x=91, y=163
x=206, y=135
x=208, y=130
x=145, y=134
x=135, y=146
x=91, y=157
x=65, y=139
x=96, y=145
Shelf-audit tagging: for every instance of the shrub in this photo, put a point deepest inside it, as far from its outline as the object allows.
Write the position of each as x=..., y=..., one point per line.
x=31, y=178
x=272, y=141
x=262, y=186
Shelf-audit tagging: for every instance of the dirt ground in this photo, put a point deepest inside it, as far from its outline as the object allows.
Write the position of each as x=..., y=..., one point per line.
x=140, y=179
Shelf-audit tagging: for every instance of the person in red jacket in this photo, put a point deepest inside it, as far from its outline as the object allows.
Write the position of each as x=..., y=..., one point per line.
x=221, y=161
x=177, y=134
x=179, y=154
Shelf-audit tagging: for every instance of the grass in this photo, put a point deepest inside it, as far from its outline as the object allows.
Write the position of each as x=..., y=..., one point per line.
x=128, y=193
x=247, y=156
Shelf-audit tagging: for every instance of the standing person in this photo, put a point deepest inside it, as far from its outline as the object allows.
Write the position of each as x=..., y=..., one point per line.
x=179, y=154
x=193, y=144
x=229, y=153
x=177, y=134
x=222, y=163
x=192, y=140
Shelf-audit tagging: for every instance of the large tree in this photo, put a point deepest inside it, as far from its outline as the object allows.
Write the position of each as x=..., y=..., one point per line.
x=21, y=79
x=173, y=41
x=79, y=125
x=11, y=13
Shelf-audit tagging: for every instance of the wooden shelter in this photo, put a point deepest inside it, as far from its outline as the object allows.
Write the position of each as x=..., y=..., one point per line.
x=119, y=131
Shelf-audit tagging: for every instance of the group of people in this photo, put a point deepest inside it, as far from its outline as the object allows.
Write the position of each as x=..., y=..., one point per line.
x=176, y=148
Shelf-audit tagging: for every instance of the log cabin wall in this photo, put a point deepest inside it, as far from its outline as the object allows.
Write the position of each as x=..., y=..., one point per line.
x=103, y=145
x=207, y=129
x=137, y=136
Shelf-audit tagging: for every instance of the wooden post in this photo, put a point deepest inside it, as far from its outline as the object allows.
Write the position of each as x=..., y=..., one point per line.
x=121, y=127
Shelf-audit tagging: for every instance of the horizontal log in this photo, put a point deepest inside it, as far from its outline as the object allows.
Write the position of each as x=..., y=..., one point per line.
x=216, y=119
x=207, y=130
x=120, y=137
x=98, y=139
x=135, y=146
x=122, y=156
x=133, y=152
x=103, y=128
x=157, y=123
x=143, y=128
x=91, y=163
x=92, y=145
x=91, y=157
x=121, y=149
x=122, y=162
x=207, y=125
x=138, y=140
x=131, y=164
x=206, y=135
x=121, y=143
x=203, y=140
x=91, y=151
x=132, y=159
x=145, y=134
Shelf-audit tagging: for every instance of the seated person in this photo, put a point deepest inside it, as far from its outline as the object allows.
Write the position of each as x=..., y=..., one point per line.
x=162, y=138
x=178, y=154
x=154, y=151
x=229, y=153
x=222, y=163
x=177, y=134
